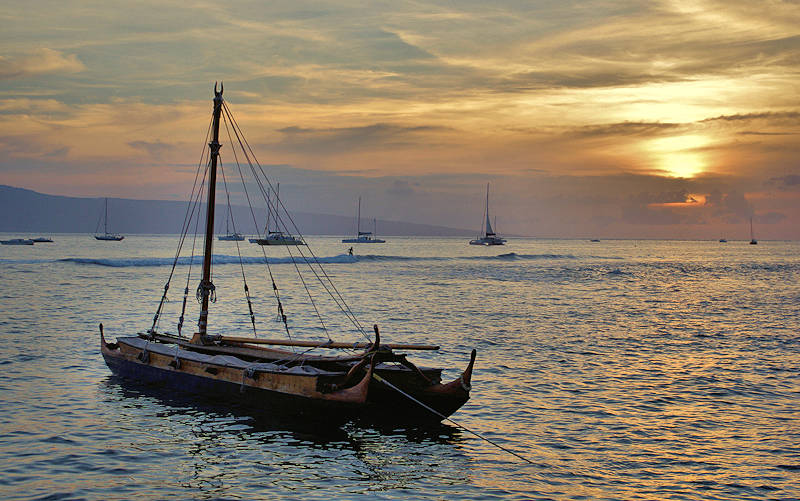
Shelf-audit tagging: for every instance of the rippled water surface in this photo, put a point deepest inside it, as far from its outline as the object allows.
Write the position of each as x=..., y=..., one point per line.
x=621, y=369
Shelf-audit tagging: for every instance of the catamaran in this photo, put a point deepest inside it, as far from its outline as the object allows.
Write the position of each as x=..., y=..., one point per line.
x=373, y=381
x=276, y=236
x=364, y=237
x=489, y=237
x=114, y=237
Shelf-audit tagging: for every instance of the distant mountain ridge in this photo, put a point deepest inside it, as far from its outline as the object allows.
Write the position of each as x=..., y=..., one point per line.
x=26, y=211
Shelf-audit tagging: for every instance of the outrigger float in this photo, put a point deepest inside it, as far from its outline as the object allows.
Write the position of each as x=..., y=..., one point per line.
x=375, y=382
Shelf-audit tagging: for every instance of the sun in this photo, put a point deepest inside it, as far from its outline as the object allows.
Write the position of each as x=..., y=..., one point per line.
x=679, y=156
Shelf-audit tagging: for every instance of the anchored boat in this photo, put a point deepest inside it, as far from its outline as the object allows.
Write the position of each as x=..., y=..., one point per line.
x=276, y=236
x=489, y=236
x=228, y=236
x=364, y=237
x=288, y=376
x=112, y=237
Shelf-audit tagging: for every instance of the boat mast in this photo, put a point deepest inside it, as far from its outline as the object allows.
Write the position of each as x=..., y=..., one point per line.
x=358, y=220
x=269, y=213
x=206, y=288
x=105, y=221
x=489, y=230
x=277, y=202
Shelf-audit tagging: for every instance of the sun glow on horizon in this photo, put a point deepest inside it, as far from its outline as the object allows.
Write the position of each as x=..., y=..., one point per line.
x=679, y=156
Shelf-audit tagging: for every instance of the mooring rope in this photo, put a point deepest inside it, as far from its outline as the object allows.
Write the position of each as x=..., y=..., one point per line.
x=395, y=388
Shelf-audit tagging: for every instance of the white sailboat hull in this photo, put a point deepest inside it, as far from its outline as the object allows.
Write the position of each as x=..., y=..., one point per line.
x=363, y=240
x=233, y=237
x=278, y=239
x=488, y=241
x=109, y=237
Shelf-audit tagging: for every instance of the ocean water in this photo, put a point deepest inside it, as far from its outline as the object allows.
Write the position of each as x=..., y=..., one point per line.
x=620, y=369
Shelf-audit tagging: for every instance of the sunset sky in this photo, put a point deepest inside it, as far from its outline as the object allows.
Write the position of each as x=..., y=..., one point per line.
x=652, y=119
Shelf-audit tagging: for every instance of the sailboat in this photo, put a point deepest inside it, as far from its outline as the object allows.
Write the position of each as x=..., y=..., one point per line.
x=489, y=237
x=753, y=240
x=372, y=381
x=364, y=237
x=228, y=236
x=17, y=241
x=114, y=237
x=276, y=236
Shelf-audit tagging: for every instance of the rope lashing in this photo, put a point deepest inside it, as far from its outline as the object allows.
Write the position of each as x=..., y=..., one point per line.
x=281, y=315
x=183, y=310
x=160, y=305
x=250, y=307
x=176, y=362
x=206, y=289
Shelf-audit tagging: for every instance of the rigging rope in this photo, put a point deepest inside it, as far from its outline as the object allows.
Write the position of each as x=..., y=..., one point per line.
x=328, y=284
x=275, y=291
x=238, y=249
x=184, y=229
x=191, y=255
x=283, y=221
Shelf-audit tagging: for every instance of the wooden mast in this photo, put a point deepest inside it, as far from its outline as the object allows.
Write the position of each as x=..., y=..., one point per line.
x=206, y=288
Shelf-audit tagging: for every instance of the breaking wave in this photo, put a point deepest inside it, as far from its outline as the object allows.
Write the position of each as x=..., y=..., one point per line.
x=133, y=262
x=513, y=256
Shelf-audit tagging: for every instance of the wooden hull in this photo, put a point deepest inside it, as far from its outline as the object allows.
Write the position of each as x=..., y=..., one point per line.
x=278, y=405
x=285, y=395
x=386, y=405
x=292, y=395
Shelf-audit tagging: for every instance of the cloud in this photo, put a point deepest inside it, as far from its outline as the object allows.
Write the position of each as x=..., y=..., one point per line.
x=787, y=182
x=349, y=139
x=625, y=129
x=42, y=61
x=401, y=188
x=730, y=206
x=770, y=218
x=30, y=148
x=785, y=116
x=154, y=148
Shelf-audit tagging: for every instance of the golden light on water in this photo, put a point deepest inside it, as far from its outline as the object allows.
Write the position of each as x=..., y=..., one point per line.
x=679, y=156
